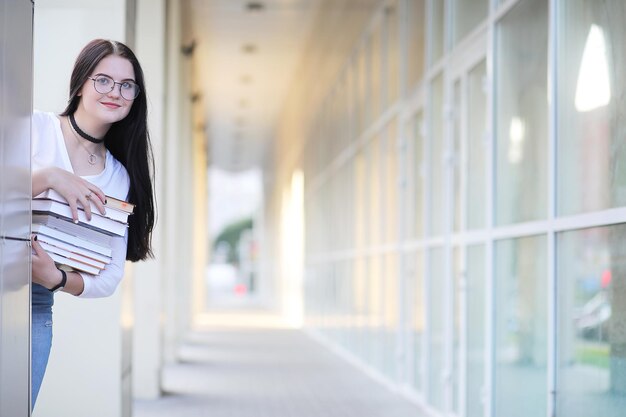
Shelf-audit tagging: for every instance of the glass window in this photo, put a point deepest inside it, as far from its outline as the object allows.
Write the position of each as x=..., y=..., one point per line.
x=393, y=56
x=437, y=168
x=476, y=313
x=477, y=147
x=363, y=321
x=390, y=318
x=467, y=14
x=362, y=99
x=376, y=75
x=416, y=318
x=591, y=373
x=457, y=276
x=436, y=32
x=592, y=111
x=361, y=202
x=391, y=183
x=456, y=152
x=521, y=327
x=522, y=113
x=375, y=309
x=437, y=320
x=415, y=32
x=416, y=170
x=374, y=181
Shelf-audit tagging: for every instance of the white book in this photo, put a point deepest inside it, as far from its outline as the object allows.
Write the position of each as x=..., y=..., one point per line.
x=97, y=222
x=42, y=238
x=111, y=212
x=70, y=228
x=79, y=266
x=71, y=255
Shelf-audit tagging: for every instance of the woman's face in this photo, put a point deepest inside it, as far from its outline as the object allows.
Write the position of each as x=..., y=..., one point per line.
x=109, y=107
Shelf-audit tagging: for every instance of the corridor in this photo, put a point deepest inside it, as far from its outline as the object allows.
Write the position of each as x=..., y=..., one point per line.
x=252, y=365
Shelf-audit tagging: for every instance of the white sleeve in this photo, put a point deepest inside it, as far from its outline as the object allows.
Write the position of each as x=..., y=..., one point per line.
x=105, y=283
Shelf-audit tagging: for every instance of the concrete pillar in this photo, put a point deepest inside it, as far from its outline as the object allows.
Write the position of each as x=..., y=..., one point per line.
x=147, y=352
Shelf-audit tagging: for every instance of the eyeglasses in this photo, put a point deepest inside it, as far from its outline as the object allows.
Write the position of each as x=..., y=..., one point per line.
x=104, y=84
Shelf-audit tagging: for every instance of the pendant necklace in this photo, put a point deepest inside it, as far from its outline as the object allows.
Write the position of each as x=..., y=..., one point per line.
x=92, y=158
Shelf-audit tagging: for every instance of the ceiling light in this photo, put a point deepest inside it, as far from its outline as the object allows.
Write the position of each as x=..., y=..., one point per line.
x=255, y=6
x=593, y=89
x=249, y=48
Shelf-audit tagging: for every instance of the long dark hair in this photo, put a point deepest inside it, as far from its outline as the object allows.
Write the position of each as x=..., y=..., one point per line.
x=128, y=141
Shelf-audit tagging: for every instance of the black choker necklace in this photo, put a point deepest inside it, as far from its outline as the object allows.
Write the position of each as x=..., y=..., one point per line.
x=81, y=133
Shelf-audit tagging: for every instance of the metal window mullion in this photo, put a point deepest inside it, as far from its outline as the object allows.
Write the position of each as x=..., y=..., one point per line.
x=552, y=210
x=488, y=388
x=403, y=355
x=448, y=226
x=463, y=178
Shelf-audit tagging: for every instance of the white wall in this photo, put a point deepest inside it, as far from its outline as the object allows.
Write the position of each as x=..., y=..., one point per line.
x=85, y=368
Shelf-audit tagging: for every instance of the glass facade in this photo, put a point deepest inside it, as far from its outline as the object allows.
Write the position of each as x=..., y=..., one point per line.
x=591, y=370
x=465, y=206
x=520, y=333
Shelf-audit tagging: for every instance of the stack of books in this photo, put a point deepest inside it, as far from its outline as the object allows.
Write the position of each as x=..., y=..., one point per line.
x=84, y=246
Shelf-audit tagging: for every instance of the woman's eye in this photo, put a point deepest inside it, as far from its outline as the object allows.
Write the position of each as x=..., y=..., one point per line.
x=103, y=81
x=127, y=85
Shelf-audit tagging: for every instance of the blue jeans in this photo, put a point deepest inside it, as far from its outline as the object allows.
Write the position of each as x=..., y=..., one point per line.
x=41, y=336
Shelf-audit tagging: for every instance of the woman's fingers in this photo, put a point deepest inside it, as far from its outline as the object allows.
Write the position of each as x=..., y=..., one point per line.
x=40, y=253
x=36, y=246
x=74, y=208
x=97, y=197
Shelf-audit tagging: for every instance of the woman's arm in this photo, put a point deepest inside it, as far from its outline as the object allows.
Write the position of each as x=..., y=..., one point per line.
x=46, y=274
x=105, y=283
x=73, y=188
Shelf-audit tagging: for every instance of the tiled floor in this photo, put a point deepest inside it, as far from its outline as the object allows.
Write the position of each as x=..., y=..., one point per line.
x=251, y=365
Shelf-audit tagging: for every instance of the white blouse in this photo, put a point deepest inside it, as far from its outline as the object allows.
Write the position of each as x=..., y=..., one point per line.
x=48, y=149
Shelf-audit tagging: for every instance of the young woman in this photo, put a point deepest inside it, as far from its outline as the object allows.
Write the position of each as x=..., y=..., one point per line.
x=99, y=146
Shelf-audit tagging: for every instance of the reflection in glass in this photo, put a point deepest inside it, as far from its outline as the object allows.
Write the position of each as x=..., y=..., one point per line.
x=476, y=311
x=375, y=71
x=467, y=14
x=520, y=327
x=392, y=77
x=362, y=101
x=417, y=320
x=374, y=180
x=457, y=275
x=591, y=373
x=391, y=181
x=437, y=168
x=418, y=174
x=415, y=32
x=436, y=37
x=436, y=310
x=476, y=147
x=375, y=310
x=456, y=152
x=592, y=87
x=521, y=113
x=390, y=314
x=591, y=151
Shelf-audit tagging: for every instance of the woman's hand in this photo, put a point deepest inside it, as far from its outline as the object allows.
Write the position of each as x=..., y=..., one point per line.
x=73, y=188
x=45, y=272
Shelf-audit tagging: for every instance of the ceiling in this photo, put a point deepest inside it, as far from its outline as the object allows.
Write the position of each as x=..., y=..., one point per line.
x=247, y=53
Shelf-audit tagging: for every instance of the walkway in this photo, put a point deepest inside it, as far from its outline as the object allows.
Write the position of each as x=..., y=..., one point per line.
x=251, y=365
